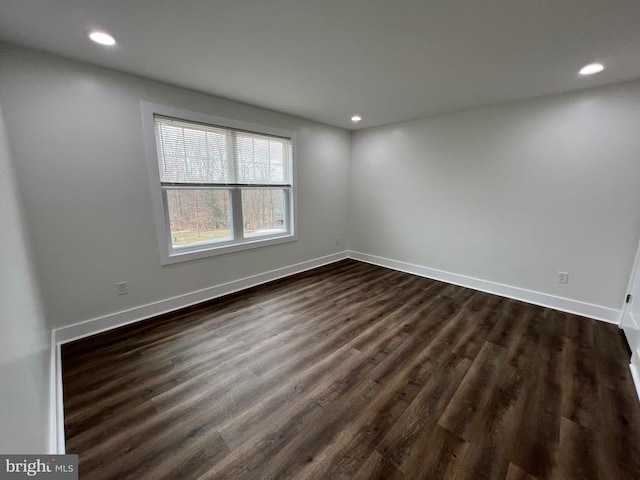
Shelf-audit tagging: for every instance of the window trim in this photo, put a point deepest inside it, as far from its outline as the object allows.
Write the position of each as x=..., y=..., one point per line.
x=170, y=255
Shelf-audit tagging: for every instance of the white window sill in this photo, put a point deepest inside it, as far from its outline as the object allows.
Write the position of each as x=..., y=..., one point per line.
x=187, y=254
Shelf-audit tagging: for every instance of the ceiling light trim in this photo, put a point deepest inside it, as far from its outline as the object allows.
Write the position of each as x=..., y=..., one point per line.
x=102, y=38
x=591, y=69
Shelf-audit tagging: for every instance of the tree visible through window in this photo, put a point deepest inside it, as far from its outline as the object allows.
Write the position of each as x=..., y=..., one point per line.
x=222, y=186
x=198, y=216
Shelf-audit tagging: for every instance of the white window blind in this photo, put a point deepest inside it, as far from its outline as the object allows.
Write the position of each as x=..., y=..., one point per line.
x=219, y=185
x=195, y=154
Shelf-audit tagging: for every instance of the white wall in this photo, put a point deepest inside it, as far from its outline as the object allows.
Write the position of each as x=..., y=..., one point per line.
x=76, y=135
x=511, y=194
x=24, y=335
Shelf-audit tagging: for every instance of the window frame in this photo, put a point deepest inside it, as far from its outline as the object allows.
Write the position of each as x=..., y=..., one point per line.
x=170, y=255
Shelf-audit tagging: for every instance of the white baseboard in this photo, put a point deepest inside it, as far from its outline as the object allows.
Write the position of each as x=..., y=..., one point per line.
x=56, y=406
x=124, y=317
x=606, y=314
x=107, y=322
x=635, y=374
x=53, y=402
x=60, y=440
x=79, y=330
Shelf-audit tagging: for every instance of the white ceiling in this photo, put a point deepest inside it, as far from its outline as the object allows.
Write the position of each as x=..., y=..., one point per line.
x=387, y=60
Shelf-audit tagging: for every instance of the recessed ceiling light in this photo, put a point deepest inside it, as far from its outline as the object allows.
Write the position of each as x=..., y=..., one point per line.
x=591, y=69
x=102, y=38
x=356, y=118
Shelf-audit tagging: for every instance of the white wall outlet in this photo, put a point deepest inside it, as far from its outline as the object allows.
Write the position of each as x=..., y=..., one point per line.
x=337, y=242
x=563, y=277
x=121, y=288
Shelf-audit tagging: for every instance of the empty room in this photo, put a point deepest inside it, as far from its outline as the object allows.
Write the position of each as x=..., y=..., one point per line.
x=299, y=239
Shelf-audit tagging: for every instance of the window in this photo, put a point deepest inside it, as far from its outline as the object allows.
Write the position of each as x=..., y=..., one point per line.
x=219, y=185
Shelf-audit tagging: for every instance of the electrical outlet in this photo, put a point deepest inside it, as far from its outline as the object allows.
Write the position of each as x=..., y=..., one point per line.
x=563, y=277
x=121, y=288
x=337, y=242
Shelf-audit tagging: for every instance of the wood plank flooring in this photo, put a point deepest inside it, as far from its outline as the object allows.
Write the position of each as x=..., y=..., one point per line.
x=352, y=371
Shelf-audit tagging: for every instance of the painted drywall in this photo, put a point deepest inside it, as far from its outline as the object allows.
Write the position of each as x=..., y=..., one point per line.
x=512, y=194
x=25, y=339
x=77, y=140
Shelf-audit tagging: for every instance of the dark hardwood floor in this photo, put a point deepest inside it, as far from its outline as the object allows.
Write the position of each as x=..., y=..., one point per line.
x=352, y=371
